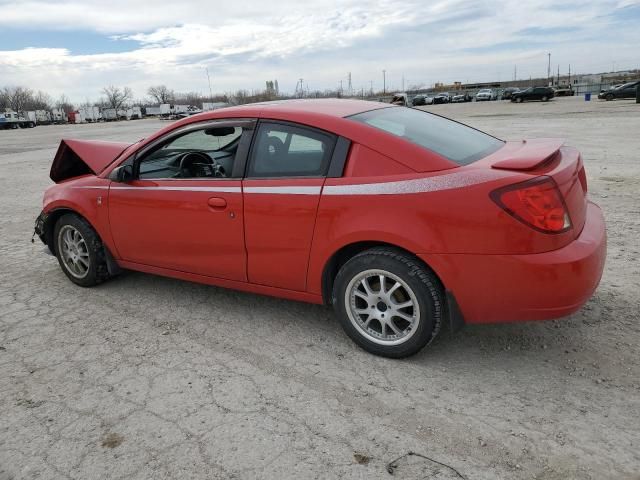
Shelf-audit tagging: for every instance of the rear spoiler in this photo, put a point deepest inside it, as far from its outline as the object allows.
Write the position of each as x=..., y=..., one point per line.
x=531, y=155
x=83, y=157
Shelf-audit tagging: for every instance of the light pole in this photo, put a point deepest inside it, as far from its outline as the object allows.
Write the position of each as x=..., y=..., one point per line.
x=384, y=82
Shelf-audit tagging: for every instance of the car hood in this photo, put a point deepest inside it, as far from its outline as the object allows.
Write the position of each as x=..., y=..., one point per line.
x=82, y=157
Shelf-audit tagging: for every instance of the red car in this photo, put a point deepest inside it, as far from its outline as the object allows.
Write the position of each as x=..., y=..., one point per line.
x=401, y=219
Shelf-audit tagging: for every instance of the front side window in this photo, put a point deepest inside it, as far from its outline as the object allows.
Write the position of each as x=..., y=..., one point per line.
x=457, y=142
x=289, y=151
x=208, y=153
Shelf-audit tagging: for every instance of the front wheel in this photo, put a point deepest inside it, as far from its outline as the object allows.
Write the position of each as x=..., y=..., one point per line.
x=80, y=251
x=388, y=302
x=519, y=99
x=545, y=98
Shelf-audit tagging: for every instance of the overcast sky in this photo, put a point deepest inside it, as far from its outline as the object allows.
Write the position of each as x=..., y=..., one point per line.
x=78, y=46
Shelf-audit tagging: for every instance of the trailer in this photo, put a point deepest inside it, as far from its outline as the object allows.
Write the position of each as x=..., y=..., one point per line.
x=90, y=114
x=58, y=115
x=161, y=110
x=11, y=119
x=43, y=117
x=209, y=106
x=109, y=114
x=76, y=117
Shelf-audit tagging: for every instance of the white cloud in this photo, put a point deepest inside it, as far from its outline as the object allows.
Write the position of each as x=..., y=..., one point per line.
x=245, y=43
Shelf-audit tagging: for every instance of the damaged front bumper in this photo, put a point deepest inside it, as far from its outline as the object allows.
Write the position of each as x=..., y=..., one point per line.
x=41, y=231
x=39, y=227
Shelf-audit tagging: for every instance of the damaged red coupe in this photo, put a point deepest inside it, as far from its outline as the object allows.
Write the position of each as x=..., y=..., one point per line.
x=401, y=219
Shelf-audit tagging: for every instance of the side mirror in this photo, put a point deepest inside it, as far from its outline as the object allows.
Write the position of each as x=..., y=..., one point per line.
x=122, y=174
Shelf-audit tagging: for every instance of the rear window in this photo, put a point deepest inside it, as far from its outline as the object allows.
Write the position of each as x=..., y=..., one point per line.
x=457, y=142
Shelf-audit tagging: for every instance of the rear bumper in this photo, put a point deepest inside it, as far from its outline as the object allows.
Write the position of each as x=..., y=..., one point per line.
x=508, y=288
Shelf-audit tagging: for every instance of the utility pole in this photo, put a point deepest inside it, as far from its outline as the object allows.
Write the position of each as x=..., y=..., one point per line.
x=384, y=82
x=209, y=81
x=403, y=82
x=548, y=68
x=515, y=72
x=300, y=91
x=371, y=86
x=569, y=75
x=558, y=80
x=350, y=88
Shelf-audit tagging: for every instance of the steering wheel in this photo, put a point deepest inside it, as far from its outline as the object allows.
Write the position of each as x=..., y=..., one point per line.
x=198, y=164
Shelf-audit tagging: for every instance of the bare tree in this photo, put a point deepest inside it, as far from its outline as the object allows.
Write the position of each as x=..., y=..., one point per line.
x=161, y=94
x=64, y=104
x=40, y=101
x=117, y=97
x=16, y=98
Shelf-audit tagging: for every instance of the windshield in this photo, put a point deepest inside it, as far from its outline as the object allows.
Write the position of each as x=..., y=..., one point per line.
x=457, y=142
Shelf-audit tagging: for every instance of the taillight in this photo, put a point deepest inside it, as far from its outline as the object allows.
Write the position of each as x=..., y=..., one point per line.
x=537, y=203
x=582, y=175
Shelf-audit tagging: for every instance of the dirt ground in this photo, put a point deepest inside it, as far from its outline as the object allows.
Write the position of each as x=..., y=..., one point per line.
x=152, y=378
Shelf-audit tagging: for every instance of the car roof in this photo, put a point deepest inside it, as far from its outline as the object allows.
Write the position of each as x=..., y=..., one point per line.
x=332, y=107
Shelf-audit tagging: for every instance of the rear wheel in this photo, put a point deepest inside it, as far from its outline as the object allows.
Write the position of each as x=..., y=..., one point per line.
x=545, y=98
x=388, y=302
x=519, y=99
x=80, y=251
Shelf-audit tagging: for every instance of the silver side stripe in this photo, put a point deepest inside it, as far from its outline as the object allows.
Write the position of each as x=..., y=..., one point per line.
x=303, y=190
x=94, y=187
x=184, y=189
x=420, y=185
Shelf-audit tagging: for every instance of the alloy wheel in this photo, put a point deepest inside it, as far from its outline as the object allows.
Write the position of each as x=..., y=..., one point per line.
x=74, y=251
x=382, y=307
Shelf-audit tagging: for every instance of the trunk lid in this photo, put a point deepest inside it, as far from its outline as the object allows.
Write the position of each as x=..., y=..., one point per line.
x=549, y=156
x=83, y=157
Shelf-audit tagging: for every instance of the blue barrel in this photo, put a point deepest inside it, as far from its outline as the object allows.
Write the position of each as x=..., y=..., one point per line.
x=587, y=97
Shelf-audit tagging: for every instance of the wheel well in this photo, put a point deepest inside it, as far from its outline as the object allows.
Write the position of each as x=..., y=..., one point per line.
x=50, y=225
x=339, y=258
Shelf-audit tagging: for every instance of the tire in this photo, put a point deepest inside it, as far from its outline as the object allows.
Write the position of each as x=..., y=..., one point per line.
x=519, y=100
x=608, y=98
x=406, y=281
x=545, y=98
x=79, y=251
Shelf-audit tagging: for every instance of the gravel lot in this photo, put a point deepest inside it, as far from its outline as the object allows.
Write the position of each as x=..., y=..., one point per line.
x=148, y=377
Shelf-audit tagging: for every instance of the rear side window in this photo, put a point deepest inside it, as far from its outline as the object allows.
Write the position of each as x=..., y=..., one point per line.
x=457, y=142
x=289, y=151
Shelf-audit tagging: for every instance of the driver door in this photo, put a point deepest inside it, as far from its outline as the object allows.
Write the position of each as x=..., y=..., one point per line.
x=183, y=209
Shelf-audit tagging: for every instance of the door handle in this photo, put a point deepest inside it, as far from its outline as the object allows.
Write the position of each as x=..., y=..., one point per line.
x=217, y=203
